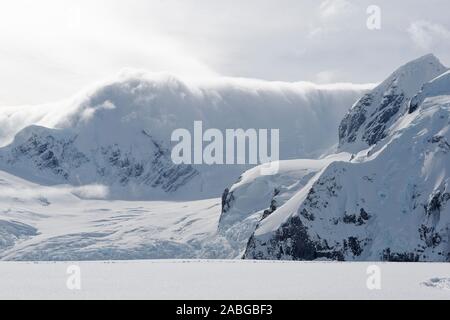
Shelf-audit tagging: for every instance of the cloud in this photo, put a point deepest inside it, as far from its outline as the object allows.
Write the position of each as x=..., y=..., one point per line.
x=55, y=47
x=426, y=34
x=332, y=18
x=89, y=112
x=326, y=76
x=78, y=44
x=333, y=8
x=142, y=88
x=94, y=191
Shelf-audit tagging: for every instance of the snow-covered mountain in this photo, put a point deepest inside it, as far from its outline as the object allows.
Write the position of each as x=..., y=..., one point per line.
x=64, y=156
x=386, y=200
x=118, y=134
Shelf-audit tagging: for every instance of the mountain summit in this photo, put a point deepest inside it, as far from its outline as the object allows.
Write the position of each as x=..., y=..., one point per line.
x=371, y=118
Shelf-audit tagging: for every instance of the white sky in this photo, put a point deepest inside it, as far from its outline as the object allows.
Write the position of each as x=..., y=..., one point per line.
x=50, y=49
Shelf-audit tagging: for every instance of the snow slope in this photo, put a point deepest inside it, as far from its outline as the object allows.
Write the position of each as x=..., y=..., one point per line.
x=118, y=134
x=223, y=280
x=388, y=201
x=256, y=196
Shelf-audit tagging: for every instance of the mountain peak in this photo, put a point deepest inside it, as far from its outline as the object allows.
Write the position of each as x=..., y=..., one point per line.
x=413, y=75
x=428, y=61
x=428, y=58
x=370, y=119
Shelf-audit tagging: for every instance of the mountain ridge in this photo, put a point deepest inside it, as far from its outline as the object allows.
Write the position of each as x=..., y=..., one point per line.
x=105, y=127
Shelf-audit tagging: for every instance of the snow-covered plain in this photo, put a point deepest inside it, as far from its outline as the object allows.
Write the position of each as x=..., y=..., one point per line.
x=233, y=279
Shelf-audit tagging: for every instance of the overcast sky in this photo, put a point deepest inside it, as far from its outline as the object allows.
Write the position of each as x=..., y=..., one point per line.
x=50, y=49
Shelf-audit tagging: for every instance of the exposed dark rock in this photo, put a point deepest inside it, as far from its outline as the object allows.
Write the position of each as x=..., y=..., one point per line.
x=355, y=246
x=429, y=236
x=373, y=128
x=272, y=208
x=387, y=255
x=292, y=240
x=441, y=142
x=364, y=215
x=225, y=203
x=307, y=215
x=376, y=129
x=355, y=118
x=358, y=220
x=412, y=107
x=349, y=218
x=437, y=201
